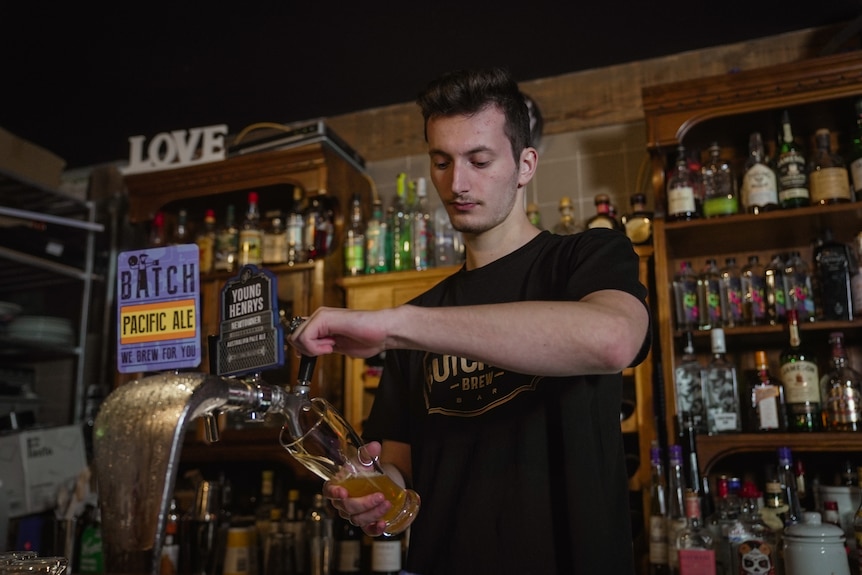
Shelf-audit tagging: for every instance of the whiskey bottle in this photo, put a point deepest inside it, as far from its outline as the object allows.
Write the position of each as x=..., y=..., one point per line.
x=694, y=544
x=841, y=390
x=792, y=169
x=766, y=393
x=566, y=224
x=720, y=196
x=754, y=292
x=801, y=380
x=833, y=264
x=829, y=180
x=638, y=222
x=206, y=242
x=721, y=389
x=683, y=199
x=227, y=243
x=250, y=250
x=658, y=515
x=731, y=293
x=759, y=183
x=603, y=217
x=354, y=240
x=688, y=385
x=709, y=296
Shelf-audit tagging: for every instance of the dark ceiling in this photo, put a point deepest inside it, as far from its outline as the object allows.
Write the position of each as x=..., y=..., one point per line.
x=80, y=81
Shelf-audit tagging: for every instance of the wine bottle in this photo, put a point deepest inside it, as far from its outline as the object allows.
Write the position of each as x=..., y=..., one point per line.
x=792, y=169
x=386, y=554
x=767, y=404
x=720, y=196
x=829, y=180
x=720, y=389
x=801, y=378
x=683, y=200
x=348, y=547
x=759, y=183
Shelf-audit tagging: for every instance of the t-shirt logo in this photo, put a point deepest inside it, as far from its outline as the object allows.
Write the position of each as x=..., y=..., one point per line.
x=463, y=387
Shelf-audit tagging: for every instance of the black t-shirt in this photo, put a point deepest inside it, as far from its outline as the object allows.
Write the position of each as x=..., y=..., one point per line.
x=517, y=473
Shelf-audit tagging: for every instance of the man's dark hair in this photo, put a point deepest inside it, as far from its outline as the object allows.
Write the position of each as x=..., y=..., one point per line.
x=468, y=92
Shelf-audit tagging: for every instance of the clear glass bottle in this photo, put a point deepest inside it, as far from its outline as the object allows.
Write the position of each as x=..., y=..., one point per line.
x=227, y=243
x=797, y=286
x=720, y=195
x=603, y=218
x=694, y=544
x=205, y=240
x=566, y=224
x=766, y=403
x=774, y=290
x=834, y=265
x=732, y=299
x=792, y=169
x=841, y=390
x=754, y=545
x=321, y=538
x=181, y=231
x=658, y=515
x=688, y=385
x=721, y=389
x=638, y=222
x=400, y=224
x=251, y=235
x=787, y=478
x=448, y=242
x=376, y=232
x=801, y=378
x=709, y=296
x=676, y=520
x=534, y=215
x=855, y=154
x=318, y=227
x=683, y=199
x=354, y=240
x=685, y=297
x=754, y=292
x=759, y=182
x=295, y=230
x=422, y=228
x=275, y=239
x=829, y=180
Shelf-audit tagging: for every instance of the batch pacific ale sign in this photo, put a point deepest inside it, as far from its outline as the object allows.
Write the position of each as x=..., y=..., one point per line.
x=250, y=336
x=158, y=301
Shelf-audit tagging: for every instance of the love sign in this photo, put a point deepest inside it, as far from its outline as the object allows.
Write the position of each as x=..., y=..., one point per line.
x=176, y=149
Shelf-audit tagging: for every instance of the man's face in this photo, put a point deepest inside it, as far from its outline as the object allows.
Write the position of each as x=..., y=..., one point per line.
x=473, y=169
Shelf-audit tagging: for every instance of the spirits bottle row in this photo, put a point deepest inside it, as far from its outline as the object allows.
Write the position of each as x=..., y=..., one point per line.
x=791, y=177
x=801, y=393
x=755, y=292
x=636, y=223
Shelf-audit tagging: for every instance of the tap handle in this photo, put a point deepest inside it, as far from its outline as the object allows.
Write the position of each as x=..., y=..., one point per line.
x=211, y=427
x=306, y=369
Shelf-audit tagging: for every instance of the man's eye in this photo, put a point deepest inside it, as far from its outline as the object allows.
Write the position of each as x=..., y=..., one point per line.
x=441, y=165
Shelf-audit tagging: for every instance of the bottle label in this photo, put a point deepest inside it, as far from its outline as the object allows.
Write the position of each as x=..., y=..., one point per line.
x=687, y=311
x=856, y=174
x=720, y=206
x=386, y=556
x=844, y=406
x=696, y=562
x=754, y=293
x=250, y=247
x=657, y=540
x=680, y=201
x=766, y=400
x=349, y=556
x=759, y=187
x=801, y=382
x=830, y=184
x=755, y=556
x=792, y=177
x=709, y=299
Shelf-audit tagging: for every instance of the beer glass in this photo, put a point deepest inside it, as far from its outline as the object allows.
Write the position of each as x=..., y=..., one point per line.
x=321, y=439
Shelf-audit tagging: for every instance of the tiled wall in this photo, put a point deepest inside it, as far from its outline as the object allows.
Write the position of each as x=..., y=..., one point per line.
x=575, y=164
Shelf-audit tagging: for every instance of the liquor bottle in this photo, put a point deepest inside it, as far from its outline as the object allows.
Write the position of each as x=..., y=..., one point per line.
x=348, y=547
x=376, y=231
x=801, y=379
x=158, y=235
x=725, y=520
x=731, y=293
x=321, y=539
x=274, y=247
x=787, y=478
x=855, y=154
x=759, y=183
x=754, y=292
x=227, y=243
x=683, y=199
x=422, y=229
x=694, y=544
x=251, y=235
x=792, y=169
x=534, y=215
x=754, y=546
x=720, y=195
x=676, y=520
x=294, y=525
x=399, y=228
x=181, y=231
x=566, y=224
x=766, y=393
x=841, y=390
x=798, y=289
x=658, y=515
x=603, y=217
x=448, y=242
x=205, y=240
x=833, y=265
x=774, y=290
x=709, y=296
x=295, y=230
x=386, y=554
x=829, y=180
x=319, y=227
x=685, y=297
x=354, y=240
x=638, y=222
x=264, y=506
x=721, y=389
x=688, y=384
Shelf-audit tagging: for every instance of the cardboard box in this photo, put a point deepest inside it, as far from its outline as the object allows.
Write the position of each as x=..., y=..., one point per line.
x=20, y=158
x=34, y=463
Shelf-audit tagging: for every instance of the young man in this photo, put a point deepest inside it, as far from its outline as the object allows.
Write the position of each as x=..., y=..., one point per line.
x=500, y=397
